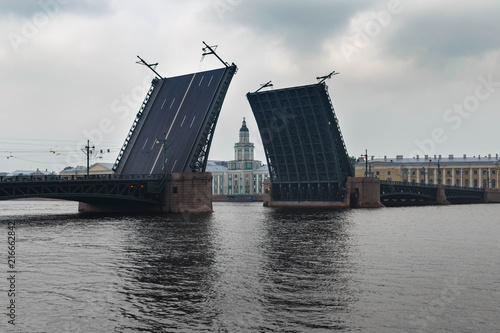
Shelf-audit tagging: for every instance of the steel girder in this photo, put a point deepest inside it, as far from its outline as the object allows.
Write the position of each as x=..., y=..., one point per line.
x=304, y=147
x=139, y=190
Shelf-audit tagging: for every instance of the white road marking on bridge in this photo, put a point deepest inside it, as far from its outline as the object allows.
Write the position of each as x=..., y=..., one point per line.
x=210, y=81
x=192, y=122
x=173, y=121
x=145, y=143
x=163, y=104
x=183, y=121
x=173, y=166
x=199, y=84
x=172, y=103
x=153, y=145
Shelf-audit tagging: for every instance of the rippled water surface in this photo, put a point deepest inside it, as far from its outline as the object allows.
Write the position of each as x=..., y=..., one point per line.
x=247, y=268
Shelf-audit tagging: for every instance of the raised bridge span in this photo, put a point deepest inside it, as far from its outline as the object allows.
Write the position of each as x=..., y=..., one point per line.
x=161, y=166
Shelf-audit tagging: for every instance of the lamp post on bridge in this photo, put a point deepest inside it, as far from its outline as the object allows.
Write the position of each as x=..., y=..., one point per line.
x=164, y=143
x=87, y=152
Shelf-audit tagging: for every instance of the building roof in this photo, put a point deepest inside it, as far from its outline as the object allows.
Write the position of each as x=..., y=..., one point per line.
x=106, y=165
x=27, y=173
x=432, y=160
x=244, y=127
x=215, y=168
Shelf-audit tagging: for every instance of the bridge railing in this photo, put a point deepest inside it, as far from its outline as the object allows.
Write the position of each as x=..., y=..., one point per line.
x=392, y=182
x=62, y=178
x=454, y=187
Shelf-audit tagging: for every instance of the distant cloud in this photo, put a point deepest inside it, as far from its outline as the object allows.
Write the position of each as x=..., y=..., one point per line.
x=437, y=36
x=301, y=25
x=26, y=8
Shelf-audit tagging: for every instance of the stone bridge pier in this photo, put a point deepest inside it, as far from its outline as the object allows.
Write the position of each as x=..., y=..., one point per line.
x=184, y=192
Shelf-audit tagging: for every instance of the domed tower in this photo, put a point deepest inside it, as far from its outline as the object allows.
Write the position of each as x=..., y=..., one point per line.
x=244, y=152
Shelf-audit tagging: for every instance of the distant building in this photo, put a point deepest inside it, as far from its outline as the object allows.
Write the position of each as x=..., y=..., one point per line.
x=464, y=171
x=241, y=176
x=95, y=169
x=28, y=173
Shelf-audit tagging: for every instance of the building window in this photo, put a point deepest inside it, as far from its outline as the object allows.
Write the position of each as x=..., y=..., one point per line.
x=466, y=172
x=378, y=173
x=484, y=172
x=493, y=171
x=493, y=183
x=448, y=182
x=466, y=183
x=422, y=172
x=174, y=190
x=457, y=172
x=475, y=172
x=475, y=183
x=388, y=173
x=457, y=182
x=448, y=172
x=484, y=183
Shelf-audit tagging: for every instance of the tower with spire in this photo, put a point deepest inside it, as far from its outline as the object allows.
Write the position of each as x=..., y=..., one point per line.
x=244, y=152
x=243, y=176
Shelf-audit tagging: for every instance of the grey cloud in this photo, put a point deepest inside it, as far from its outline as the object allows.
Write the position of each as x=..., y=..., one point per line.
x=435, y=38
x=28, y=8
x=303, y=25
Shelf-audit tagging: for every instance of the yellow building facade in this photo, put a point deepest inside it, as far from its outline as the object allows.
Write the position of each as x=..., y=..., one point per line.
x=463, y=171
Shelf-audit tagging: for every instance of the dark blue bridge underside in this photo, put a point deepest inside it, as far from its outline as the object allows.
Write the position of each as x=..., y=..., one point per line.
x=180, y=110
x=304, y=147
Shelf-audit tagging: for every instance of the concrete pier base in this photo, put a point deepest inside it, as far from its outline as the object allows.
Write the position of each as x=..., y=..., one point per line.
x=441, y=196
x=268, y=202
x=491, y=195
x=184, y=193
x=364, y=192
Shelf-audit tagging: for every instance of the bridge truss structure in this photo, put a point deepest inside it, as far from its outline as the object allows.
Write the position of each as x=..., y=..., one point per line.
x=304, y=147
x=102, y=189
x=173, y=130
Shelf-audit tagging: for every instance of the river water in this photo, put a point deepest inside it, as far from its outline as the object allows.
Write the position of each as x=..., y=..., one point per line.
x=247, y=268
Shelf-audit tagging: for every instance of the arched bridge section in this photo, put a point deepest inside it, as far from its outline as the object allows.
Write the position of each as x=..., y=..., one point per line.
x=304, y=147
x=392, y=193
x=102, y=189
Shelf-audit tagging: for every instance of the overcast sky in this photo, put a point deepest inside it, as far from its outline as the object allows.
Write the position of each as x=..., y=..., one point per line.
x=416, y=77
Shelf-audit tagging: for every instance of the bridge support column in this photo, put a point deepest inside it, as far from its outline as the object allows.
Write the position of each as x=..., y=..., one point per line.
x=364, y=192
x=491, y=195
x=441, y=196
x=189, y=192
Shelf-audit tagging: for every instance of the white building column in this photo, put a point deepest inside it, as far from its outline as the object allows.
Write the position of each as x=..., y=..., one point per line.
x=471, y=181
x=480, y=180
x=489, y=177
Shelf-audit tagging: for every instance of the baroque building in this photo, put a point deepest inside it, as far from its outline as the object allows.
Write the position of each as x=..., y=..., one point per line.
x=241, y=176
x=462, y=171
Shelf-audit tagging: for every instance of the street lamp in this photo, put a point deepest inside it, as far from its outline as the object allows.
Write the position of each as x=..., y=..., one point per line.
x=87, y=148
x=164, y=143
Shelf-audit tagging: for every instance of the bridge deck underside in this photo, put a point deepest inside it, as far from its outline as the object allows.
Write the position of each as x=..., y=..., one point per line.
x=304, y=148
x=182, y=111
